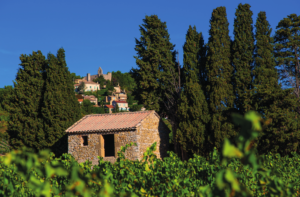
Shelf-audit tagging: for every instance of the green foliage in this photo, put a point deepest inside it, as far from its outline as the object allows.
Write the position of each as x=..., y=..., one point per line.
x=81, y=87
x=130, y=99
x=25, y=127
x=87, y=106
x=193, y=109
x=282, y=136
x=4, y=137
x=101, y=81
x=4, y=118
x=4, y=92
x=124, y=80
x=135, y=107
x=273, y=103
x=4, y=146
x=232, y=171
x=155, y=63
x=41, y=175
x=219, y=73
x=287, y=50
x=42, y=104
x=98, y=110
x=202, y=70
x=58, y=97
x=242, y=52
x=117, y=109
x=74, y=76
x=265, y=73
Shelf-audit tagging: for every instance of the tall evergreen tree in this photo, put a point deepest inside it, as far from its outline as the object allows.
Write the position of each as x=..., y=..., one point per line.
x=157, y=76
x=242, y=51
x=269, y=99
x=154, y=59
x=25, y=127
x=287, y=51
x=265, y=73
x=193, y=108
x=201, y=57
x=219, y=72
x=60, y=107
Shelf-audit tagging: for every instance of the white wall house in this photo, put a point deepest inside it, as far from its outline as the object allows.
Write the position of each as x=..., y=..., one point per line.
x=89, y=86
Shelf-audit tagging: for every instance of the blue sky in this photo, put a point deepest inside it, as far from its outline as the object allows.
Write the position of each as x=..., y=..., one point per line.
x=102, y=33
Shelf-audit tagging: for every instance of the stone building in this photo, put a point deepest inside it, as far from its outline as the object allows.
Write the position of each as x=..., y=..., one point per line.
x=104, y=134
x=100, y=72
x=117, y=95
x=91, y=98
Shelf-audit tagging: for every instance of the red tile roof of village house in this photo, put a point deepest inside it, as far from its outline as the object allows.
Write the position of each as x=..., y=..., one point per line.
x=120, y=101
x=109, y=106
x=80, y=100
x=109, y=122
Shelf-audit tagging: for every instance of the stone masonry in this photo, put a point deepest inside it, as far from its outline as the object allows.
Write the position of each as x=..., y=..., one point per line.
x=143, y=128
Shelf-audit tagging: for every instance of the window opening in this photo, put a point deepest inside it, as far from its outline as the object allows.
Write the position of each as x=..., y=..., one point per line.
x=84, y=140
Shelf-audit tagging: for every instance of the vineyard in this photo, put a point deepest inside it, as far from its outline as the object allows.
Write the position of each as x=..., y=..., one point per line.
x=233, y=171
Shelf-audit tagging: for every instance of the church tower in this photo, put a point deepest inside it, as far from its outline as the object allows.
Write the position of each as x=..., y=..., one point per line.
x=100, y=71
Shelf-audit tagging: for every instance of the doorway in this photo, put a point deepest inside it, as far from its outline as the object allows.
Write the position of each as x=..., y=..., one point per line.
x=109, y=145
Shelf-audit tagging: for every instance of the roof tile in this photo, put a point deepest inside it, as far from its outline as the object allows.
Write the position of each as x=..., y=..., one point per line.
x=109, y=122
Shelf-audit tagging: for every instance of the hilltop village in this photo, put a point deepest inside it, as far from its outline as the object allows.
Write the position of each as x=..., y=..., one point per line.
x=93, y=91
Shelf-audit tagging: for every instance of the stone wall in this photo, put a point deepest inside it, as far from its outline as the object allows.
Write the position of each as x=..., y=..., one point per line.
x=82, y=153
x=107, y=76
x=152, y=129
x=93, y=149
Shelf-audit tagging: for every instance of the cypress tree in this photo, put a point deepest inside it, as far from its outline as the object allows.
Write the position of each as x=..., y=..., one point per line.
x=117, y=109
x=25, y=127
x=219, y=72
x=265, y=73
x=201, y=57
x=157, y=76
x=287, y=51
x=281, y=135
x=242, y=52
x=193, y=108
x=60, y=107
x=154, y=60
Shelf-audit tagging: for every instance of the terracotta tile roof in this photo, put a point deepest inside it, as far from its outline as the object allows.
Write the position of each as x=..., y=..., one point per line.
x=80, y=100
x=109, y=106
x=120, y=101
x=109, y=122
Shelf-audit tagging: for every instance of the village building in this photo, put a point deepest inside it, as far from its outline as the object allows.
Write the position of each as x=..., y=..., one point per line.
x=91, y=98
x=123, y=105
x=77, y=81
x=109, y=107
x=89, y=77
x=80, y=101
x=88, y=86
x=117, y=95
x=104, y=134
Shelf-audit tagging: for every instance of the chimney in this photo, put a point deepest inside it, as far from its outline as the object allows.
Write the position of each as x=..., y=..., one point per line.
x=88, y=77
